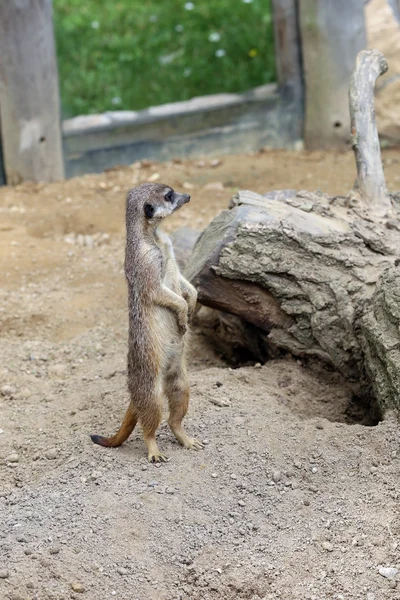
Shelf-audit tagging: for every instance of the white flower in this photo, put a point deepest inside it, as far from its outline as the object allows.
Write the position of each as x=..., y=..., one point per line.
x=95, y=24
x=220, y=53
x=179, y=28
x=214, y=37
x=167, y=59
x=116, y=100
x=189, y=6
x=153, y=18
x=187, y=72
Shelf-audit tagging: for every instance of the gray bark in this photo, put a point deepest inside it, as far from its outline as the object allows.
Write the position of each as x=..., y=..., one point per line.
x=381, y=340
x=371, y=185
x=29, y=99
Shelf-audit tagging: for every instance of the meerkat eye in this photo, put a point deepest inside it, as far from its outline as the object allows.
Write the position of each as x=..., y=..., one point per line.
x=149, y=210
x=169, y=196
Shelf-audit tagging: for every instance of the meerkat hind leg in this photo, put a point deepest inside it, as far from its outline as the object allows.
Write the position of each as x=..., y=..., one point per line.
x=178, y=392
x=150, y=420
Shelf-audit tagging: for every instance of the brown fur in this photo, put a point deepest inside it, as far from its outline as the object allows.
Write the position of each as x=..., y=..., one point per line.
x=160, y=301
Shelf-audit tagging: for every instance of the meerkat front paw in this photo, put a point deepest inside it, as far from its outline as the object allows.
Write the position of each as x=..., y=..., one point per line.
x=183, y=322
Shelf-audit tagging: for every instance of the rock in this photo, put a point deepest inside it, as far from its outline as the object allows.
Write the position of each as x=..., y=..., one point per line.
x=216, y=162
x=13, y=458
x=52, y=453
x=388, y=572
x=327, y=546
x=122, y=571
x=219, y=402
x=8, y=390
x=58, y=371
x=215, y=186
x=276, y=476
x=78, y=587
x=4, y=574
x=54, y=550
x=188, y=186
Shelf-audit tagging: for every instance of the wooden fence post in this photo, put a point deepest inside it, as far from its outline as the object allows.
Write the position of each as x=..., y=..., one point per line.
x=29, y=97
x=2, y=175
x=288, y=57
x=332, y=32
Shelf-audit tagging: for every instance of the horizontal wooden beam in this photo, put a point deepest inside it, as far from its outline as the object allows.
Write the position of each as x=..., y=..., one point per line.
x=218, y=124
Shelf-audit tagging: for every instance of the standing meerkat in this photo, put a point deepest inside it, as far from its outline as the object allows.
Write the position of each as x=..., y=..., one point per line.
x=160, y=302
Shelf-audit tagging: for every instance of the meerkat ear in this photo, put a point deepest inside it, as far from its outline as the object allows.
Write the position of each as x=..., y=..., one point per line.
x=149, y=210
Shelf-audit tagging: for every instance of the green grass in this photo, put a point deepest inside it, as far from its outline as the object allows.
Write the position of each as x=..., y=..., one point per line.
x=131, y=54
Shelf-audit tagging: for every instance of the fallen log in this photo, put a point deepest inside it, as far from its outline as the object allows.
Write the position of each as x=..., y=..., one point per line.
x=380, y=328
x=302, y=268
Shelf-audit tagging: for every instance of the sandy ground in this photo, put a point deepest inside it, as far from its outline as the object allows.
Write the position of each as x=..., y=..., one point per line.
x=290, y=499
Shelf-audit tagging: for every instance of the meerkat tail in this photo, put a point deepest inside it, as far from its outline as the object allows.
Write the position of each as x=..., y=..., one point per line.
x=128, y=425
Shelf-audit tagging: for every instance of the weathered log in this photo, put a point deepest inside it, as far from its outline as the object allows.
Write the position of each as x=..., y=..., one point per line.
x=380, y=328
x=183, y=241
x=371, y=185
x=300, y=271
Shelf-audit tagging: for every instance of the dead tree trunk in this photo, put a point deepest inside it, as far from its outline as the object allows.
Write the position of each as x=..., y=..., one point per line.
x=301, y=268
x=371, y=185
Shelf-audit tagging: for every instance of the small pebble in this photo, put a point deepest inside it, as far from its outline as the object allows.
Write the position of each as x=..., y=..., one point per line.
x=388, y=572
x=54, y=550
x=314, y=470
x=327, y=546
x=216, y=162
x=276, y=476
x=52, y=453
x=241, y=503
x=122, y=571
x=214, y=475
x=13, y=458
x=8, y=390
x=4, y=574
x=78, y=587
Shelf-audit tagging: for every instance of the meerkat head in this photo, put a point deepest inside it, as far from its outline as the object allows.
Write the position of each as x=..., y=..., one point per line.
x=156, y=201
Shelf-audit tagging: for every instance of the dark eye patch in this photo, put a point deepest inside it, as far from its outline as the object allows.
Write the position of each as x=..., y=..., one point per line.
x=149, y=210
x=169, y=196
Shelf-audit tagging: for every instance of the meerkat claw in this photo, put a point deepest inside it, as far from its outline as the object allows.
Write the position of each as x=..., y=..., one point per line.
x=193, y=444
x=157, y=458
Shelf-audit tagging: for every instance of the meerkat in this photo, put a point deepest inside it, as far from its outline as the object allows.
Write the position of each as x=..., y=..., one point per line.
x=161, y=302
